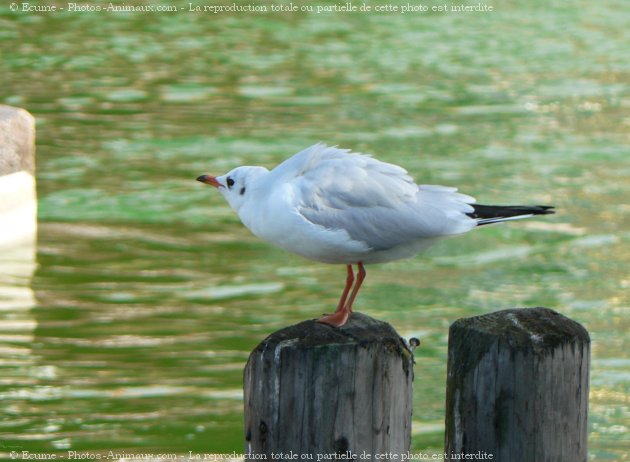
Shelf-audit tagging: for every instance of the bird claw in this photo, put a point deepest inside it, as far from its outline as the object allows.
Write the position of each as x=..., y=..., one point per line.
x=336, y=319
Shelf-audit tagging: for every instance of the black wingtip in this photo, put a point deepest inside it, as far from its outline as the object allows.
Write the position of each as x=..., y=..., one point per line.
x=487, y=214
x=543, y=209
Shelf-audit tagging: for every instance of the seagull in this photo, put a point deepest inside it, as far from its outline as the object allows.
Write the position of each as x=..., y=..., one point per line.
x=335, y=206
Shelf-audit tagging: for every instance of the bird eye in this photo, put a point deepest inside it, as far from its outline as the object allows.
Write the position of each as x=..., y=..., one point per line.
x=242, y=191
x=230, y=182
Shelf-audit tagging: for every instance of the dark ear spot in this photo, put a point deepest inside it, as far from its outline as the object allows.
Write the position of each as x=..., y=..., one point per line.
x=242, y=191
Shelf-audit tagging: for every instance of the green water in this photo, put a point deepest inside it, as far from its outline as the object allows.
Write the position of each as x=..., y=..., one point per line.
x=149, y=294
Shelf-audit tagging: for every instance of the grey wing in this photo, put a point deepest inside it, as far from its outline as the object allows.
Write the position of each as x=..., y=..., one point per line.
x=377, y=203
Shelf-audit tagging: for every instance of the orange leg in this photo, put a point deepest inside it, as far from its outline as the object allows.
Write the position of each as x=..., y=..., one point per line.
x=346, y=290
x=340, y=316
x=357, y=286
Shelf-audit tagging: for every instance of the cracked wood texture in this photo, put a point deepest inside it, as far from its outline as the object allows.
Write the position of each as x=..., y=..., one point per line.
x=517, y=386
x=315, y=389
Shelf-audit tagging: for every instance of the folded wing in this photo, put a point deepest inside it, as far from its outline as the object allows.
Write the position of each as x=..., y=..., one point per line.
x=374, y=202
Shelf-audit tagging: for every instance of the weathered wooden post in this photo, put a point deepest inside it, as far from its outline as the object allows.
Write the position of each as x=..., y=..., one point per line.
x=517, y=387
x=341, y=392
x=18, y=223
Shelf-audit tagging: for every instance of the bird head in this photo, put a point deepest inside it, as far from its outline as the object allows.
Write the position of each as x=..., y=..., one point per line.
x=235, y=185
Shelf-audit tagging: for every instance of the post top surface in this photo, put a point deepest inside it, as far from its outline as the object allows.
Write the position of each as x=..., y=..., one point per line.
x=9, y=112
x=540, y=327
x=360, y=329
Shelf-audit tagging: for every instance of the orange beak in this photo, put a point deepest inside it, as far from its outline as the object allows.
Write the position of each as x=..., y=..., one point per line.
x=209, y=179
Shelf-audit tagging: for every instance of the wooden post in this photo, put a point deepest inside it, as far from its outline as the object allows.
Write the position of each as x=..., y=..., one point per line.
x=17, y=140
x=341, y=392
x=517, y=387
x=18, y=230
x=18, y=203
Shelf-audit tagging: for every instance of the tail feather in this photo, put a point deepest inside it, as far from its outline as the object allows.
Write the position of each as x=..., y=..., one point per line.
x=487, y=214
